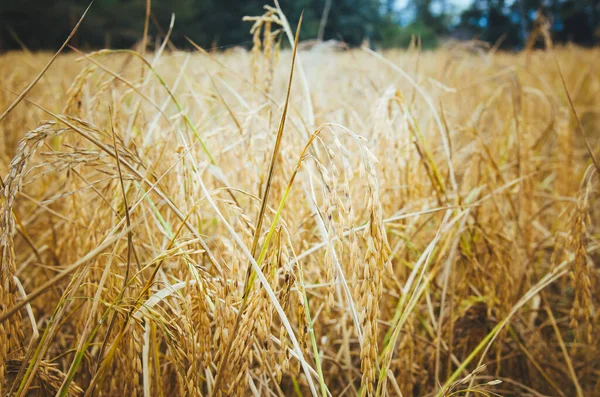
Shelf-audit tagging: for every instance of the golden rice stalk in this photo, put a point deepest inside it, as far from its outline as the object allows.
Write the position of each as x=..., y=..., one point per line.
x=581, y=312
x=374, y=265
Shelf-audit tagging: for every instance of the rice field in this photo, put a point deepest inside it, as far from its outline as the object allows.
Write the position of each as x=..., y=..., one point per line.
x=348, y=222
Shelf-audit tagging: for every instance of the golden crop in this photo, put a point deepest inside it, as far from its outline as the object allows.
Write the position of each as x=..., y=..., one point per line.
x=427, y=213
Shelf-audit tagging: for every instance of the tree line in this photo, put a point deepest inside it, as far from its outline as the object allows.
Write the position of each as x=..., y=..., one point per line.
x=44, y=24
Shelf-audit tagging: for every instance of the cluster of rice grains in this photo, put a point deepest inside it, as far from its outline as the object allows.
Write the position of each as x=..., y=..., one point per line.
x=421, y=224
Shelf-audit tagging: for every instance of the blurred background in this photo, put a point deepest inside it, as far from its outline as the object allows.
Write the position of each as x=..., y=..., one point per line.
x=44, y=24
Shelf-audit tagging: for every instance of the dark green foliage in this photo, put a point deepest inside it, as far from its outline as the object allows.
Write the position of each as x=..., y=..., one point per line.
x=571, y=20
x=396, y=36
x=44, y=24
x=119, y=23
x=427, y=25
